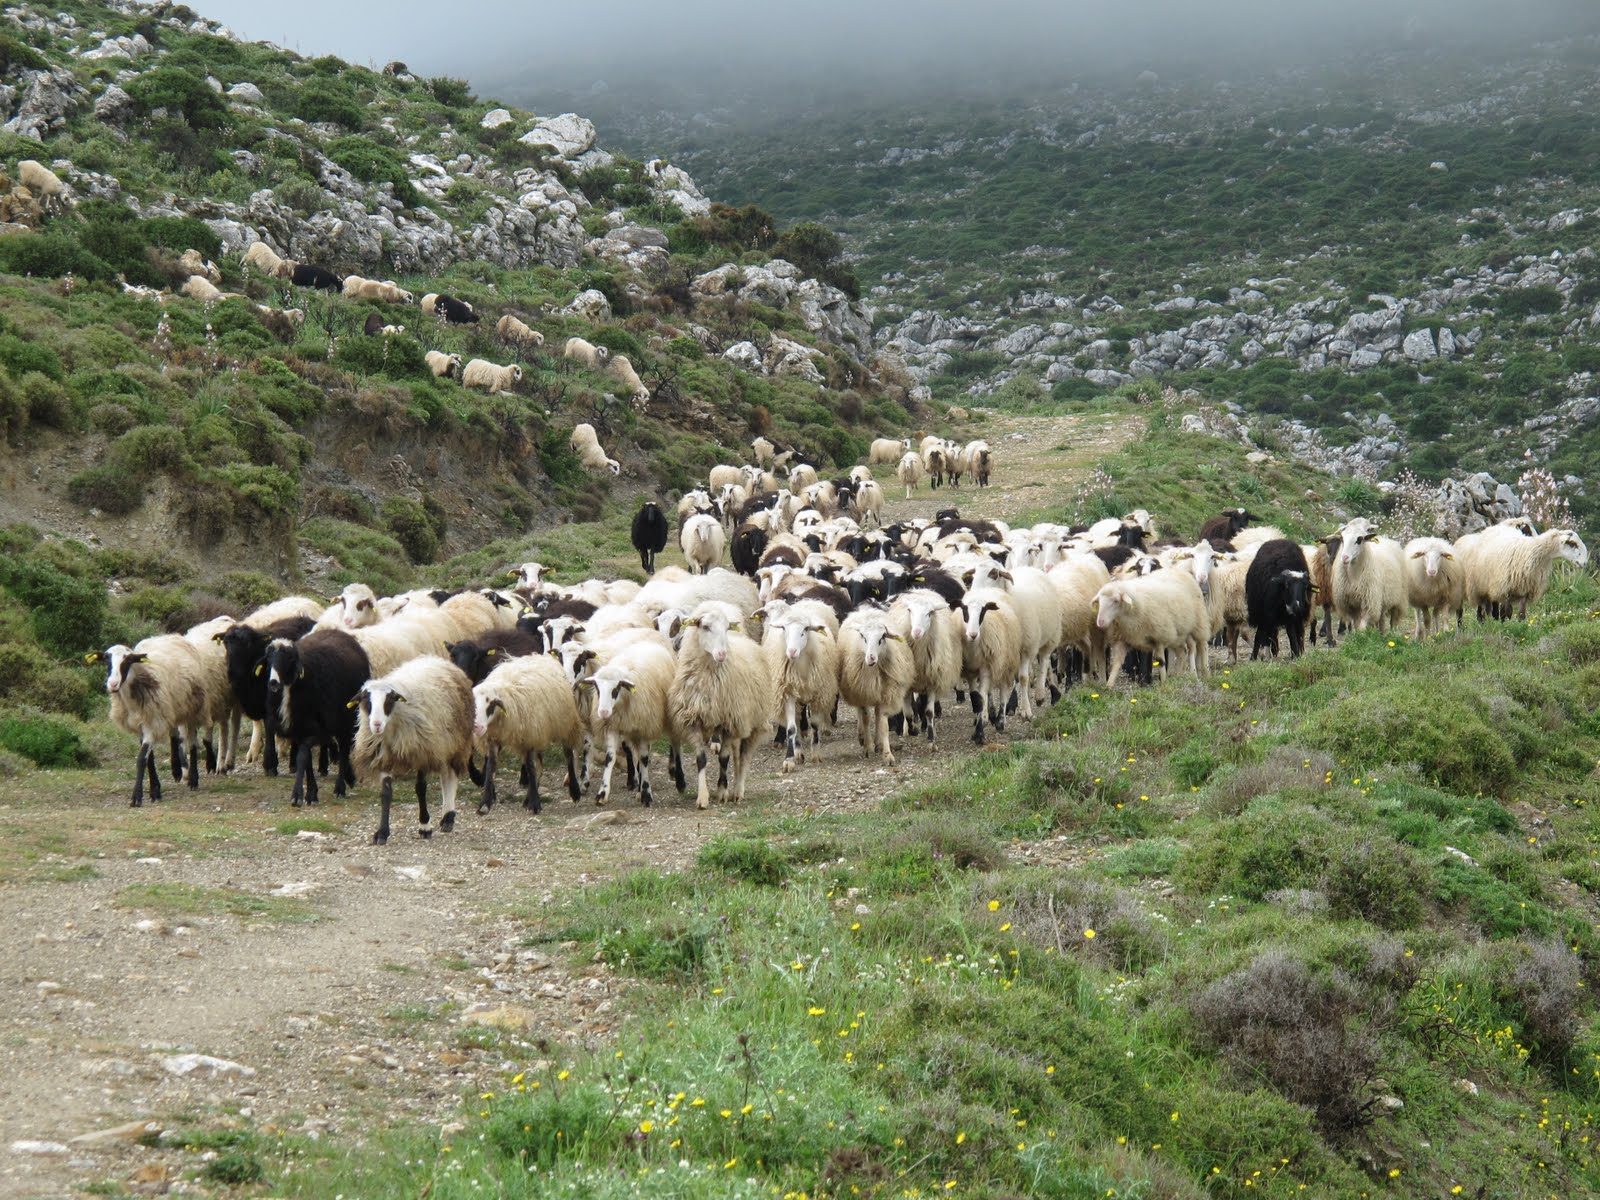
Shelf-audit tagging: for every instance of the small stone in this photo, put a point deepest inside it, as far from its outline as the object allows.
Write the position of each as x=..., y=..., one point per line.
x=205, y=1065
x=32, y=1147
x=133, y=1131
x=494, y=862
x=303, y=887
x=452, y=1058
x=500, y=1016
x=148, y=862
x=310, y=835
x=359, y=870
x=1392, y=1103
x=612, y=816
x=412, y=873
x=47, y=987
x=151, y=1173
x=1466, y=1087
x=147, y=926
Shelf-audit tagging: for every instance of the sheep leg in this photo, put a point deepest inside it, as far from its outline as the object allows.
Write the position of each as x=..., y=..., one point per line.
x=211, y=749
x=422, y=805
x=322, y=760
x=791, y=735
x=138, y=775
x=474, y=771
x=1297, y=640
x=632, y=765
x=302, y=760
x=311, y=777
x=255, y=749
x=979, y=704
x=269, y=745
x=675, y=765
x=572, y=775
x=703, y=796
x=344, y=777
x=604, y=793
x=1119, y=653
x=642, y=753
x=883, y=736
x=449, y=780
x=864, y=733
x=231, y=731
x=487, y=802
x=531, y=800
x=725, y=752
x=175, y=740
x=747, y=749
x=381, y=837
x=194, y=759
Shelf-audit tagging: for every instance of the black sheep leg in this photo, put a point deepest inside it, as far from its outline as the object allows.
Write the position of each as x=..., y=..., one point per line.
x=194, y=766
x=422, y=805
x=487, y=802
x=269, y=746
x=138, y=775
x=675, y=763
x=177, y=757
x=531, y=801
x=346, y=778
x=977, y=716
x=574, y=789
x=381, y=837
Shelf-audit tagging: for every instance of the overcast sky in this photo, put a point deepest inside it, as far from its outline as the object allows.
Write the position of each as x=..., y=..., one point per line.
x=490, y=40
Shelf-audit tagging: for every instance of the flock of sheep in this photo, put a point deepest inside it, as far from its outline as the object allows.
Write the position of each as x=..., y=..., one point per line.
x=825, y=605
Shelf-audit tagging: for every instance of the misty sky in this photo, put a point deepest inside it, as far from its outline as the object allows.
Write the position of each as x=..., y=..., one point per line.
x=490, y=40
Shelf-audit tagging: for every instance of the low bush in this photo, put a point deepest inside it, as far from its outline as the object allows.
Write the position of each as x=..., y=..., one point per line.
x=44, y=740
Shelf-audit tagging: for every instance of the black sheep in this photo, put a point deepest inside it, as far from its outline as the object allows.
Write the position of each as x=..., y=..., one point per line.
x=757, y=503
x=312, y=276
x=478, y=656
x=649, y=534
x=533, y=623
x=929, y=573
x=373, y=325
x=786, y=556
x=313, y=684
x=1277, y=595
x=455, y=312
x=1225, y=526
x=749, y=544
x=245, y=648
x=823, y=593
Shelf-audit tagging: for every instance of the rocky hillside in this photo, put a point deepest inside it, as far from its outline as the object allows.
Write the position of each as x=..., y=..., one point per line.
x=267, y=430
x=1386, y=259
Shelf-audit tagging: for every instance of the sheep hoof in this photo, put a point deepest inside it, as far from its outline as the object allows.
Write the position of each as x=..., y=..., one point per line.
x=601, y=798
x=425, y=832
x=788, y=766
x=447, y=823
x=483, y=810
x=380, y=838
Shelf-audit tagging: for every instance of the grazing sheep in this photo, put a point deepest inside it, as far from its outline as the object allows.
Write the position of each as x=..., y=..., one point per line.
x=586, y=445
x=621, y=369
x=416, y=720
x=721, y=697
x=454, y=312
x=203, y=290
x=192, y=262
x=524, y=706
x=990, y=656
x=875, y=673
x=867, y=503
x=1160, y=614
x=443, y=366
x=803, y=660
x=514, y=332
x=585, y=353
x=384, y=290
x=158, y=692
x=978, y=458
x=312, y=276
x=45, y=184
x=701, y=539
x=264, y=259
x=1436, y=584
x=481, y=373
x=1319, y=559
x=1277, y=589
x=1226, y=525
x=649, y=534
x=887, y=451
x=629, y=707
x=1369, y=578
x=763, y=451
x=311, y=684
x=934, y=638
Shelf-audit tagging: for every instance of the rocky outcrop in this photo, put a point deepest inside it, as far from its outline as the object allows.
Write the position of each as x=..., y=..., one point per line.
x=42, y=103
x=568, y=136
x=824, y=310
x=1477, y=502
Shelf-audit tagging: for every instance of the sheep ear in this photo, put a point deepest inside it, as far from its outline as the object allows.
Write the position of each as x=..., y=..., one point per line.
x=627, y=685
x=1447, y=554
x=138, y=658
x=261, y=667
x=398, y=698
x=1315, y=588
x=300, y=674
x=216, y=637
x=691, y=623
x=736, y=626
x=356, y=703
x=96, y=656
x=893, y=637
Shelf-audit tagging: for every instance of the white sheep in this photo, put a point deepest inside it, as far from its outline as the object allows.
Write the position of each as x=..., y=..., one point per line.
x=192, y=262
x=909, y=471
x=629, y=706
x=283, y=610
x=472, y=614
x=867, y=503
x=978, y=459
x=1077, y=580
x=933, y=635
x=802, y=652
x=763, y=451
x=416, y=720
x=586, y=353
x=1369, y=578
x=481, y=373
x=586, y=444
x=1509, y=569
x=158, y=693
x=621, y=369
x=391, y=644
x=875, y=673
x=222, y=713
x=1039, y=609
x=443, y=366
x=354, y=608
x=1435, y=582
x=1255, y=535
x=264, y=259
x=672, y=588
x=721, y=697
x=723, y=474
x=203, y=290
x=701, y=539
x=45, y=184
x=990, y=656
x=887, y=451
x=1226, y=603
x=524, y=706
x=801, y=477
x=1161, y=614
x=514, y=331
x=385, y=290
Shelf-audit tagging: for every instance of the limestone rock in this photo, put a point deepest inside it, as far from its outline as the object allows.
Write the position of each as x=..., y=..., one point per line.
x=568, y=135
x=746, y=356
x=591, y=304
x=205, y=1065
x=48, y=99
x=113, y=105
x=495, y=118
x=247, y=93
x=1419, y=345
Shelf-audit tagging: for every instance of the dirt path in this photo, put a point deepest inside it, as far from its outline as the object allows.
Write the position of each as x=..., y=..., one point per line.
x=345, y=984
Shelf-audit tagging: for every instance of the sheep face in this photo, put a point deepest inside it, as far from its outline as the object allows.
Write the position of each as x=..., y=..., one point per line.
x=797, y=635
x=576, y=658
x=1431, y=557
x=1352, y=538
x=1573, y=550
x=922, y=618
x=609, y=689
x=972, y=613
x=873, y=634
x=1201, y=558
x=360, y=606
x=1110, y=604
x=282, y=667
x=377, y=705
x=484, y=710
x=1295, y=589
x=120, y=661
x=714, y=628
x=529, y=575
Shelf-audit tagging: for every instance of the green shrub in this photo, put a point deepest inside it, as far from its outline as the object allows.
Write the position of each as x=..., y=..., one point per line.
x=179, y=91
x=399, y=357
x=751, y=860
x=14, y=53
x=412, y=527
x=20, y=357
x=452, y=93
x=1523, y=302
x=106, y=488
x=552, y=1124
x=372, y=163
x=48, y=742
x=327, y=100
x=49, y=404
x=13, y=412
x=68, y=614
